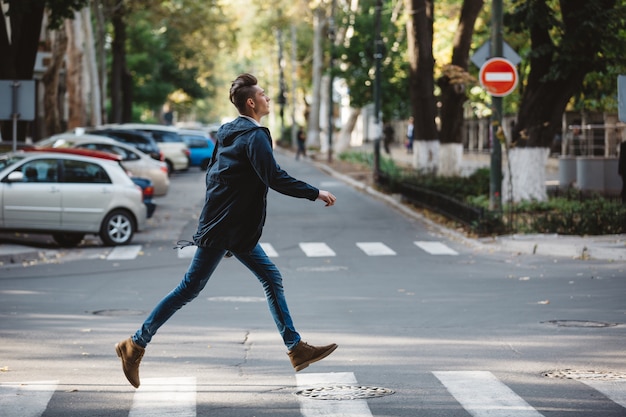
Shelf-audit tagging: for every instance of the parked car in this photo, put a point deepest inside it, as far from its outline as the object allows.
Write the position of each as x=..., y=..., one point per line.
x=147, y=191
x=140, y=140
x=175, y=151
x=133, y=160
x=69, y=195
x=200, y=147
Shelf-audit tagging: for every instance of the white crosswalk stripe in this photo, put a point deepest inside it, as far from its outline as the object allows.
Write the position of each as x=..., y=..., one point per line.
x=25, y=399
x=124, y=252
x=483, y=395
x=316, y=249
x=165, y=397
x=269, y=250
x=435, y=248
x=330, y=408
x=375, y=249
x=615, y=390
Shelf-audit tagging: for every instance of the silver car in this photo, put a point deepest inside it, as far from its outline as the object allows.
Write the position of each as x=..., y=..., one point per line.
x=68, y=196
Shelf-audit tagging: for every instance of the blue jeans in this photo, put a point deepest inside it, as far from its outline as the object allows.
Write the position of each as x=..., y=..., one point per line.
x=202, y=265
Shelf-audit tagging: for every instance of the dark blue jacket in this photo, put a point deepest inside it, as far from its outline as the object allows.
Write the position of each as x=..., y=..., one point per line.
x=236, y=187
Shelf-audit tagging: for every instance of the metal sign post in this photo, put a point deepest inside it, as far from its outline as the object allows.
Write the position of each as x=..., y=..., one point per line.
x=17, y=102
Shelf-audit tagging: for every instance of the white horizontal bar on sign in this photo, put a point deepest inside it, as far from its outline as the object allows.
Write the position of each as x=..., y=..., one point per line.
x=435, y=248
x=269, y=250
x=316, y=249
x=499, y=76
x=330, y=408
x=482, y=395
x=165, y=397
x=375, y=249
x=124, y=252
x=26, y=399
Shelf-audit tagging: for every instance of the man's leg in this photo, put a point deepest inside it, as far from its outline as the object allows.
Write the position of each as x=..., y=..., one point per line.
x=200, y=269
x=300, y=353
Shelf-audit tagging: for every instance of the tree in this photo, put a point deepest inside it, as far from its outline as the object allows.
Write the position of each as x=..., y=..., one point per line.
x=19, y=49
x=422, y=94
x=569, y=40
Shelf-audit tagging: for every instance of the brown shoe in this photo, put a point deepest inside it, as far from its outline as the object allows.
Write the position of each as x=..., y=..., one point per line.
x=131, y=354
x=304, y=354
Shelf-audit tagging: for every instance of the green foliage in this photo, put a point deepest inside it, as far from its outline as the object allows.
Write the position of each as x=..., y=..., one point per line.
x=357, y=59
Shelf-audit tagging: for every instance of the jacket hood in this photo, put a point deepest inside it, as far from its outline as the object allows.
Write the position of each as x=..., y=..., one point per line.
x=228, y=132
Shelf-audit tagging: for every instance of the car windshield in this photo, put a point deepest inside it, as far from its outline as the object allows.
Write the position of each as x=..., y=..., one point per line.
x=6, y=160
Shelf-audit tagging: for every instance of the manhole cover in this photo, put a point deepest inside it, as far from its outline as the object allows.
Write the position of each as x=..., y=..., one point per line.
x=116, y=313
x=586, y=375
x=344, y=392
x=580, y=323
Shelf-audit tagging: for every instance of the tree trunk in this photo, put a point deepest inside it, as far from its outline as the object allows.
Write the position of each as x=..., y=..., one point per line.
x=52, y=121
x=77, y=106
x=346, y=131
x=313, y=128
x=19, y=53
x=92, y=86
x=453, y=84
x=421, y=61
x=118, y=68
x=99, y=13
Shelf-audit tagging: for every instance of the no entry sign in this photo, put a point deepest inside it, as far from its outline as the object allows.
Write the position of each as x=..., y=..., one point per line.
x=498, y=76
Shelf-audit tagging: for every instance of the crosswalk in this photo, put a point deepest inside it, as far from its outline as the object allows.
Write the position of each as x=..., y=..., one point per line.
x=323, y=250
x=337, y=394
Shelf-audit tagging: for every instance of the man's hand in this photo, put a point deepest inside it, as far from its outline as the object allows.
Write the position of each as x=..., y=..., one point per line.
x=327, y=198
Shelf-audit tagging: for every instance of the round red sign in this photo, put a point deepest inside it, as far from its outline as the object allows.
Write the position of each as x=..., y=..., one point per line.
x=498, y=76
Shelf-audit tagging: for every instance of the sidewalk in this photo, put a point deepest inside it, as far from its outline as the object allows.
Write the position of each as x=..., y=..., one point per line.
x=608, y=247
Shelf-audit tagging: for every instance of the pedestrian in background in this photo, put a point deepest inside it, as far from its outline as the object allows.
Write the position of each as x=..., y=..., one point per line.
x=621, y=169
x=237, y=181
x=301, y=139
x=388, y=133
x=409, y=136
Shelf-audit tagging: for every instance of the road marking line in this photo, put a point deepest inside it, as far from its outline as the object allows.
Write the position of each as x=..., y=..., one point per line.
x=269, y=250
x=124, y=252
x=330, y=408
x=615, y=390
x=375, y=249
x=165, y=397
x=316, y=249
x=435, y=248
x=26, y=399
x=482, y=395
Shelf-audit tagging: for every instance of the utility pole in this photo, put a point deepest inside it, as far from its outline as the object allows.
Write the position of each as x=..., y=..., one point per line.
x=495, y=182
x=378, y=55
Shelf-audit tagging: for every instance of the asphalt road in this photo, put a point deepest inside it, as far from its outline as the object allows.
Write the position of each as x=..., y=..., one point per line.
x=426, y=325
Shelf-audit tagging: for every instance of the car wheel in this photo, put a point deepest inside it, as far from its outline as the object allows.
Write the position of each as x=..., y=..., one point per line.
x=68, y=240
x=170, y=167
x=117, y=228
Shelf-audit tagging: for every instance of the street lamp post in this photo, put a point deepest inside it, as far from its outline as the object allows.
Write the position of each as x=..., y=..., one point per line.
x=331, y=36
x=495, y=183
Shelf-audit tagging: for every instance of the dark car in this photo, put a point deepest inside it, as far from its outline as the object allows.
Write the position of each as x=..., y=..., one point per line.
x=140, y=140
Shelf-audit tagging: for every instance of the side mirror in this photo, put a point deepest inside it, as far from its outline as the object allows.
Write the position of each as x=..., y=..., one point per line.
x=15, y=176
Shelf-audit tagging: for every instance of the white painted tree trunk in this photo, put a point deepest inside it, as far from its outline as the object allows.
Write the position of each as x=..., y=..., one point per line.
x=528, y=181
x=426, y=156
x=313, y=129
x=345, y=134
x=450, y=159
